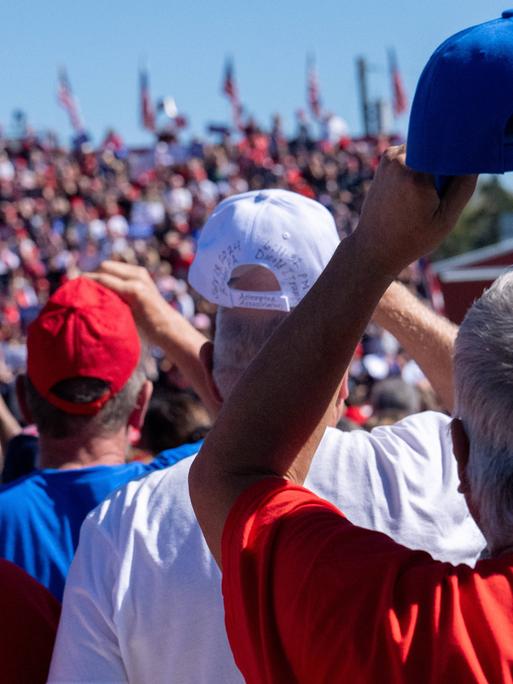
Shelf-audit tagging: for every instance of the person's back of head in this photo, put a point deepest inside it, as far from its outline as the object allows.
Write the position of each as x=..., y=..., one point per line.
x=258, y=255
x=85, y=366
x=238, y=338
x=483, y=369
x=173, y=418
x=56, y=423
x=392, y=400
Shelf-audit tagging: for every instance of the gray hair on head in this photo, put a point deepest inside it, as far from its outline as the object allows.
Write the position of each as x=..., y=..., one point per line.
x=239, y=336
x=483, y=371
x=55, y=423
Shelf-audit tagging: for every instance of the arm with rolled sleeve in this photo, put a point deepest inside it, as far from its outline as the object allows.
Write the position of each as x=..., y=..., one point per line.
x=425, y=335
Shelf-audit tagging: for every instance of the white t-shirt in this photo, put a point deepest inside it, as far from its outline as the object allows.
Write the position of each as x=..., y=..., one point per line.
x=143, y=599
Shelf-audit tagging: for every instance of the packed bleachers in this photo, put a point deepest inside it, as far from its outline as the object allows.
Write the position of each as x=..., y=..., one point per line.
x=64, y=211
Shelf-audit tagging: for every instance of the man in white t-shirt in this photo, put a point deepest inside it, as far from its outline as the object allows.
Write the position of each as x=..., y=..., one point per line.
x=143, y=599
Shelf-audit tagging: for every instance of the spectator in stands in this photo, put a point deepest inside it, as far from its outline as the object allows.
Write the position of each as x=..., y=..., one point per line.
x=295, y=570
x=392, y=400
x=61, y=208
x=85, y=388
x=9, y=430
x=21, y=454
x=173, y=418
x=261, y=251
x=62, y=211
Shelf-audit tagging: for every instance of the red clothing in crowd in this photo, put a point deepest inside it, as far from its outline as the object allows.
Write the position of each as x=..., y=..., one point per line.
x=29, y=615
x=311, y=598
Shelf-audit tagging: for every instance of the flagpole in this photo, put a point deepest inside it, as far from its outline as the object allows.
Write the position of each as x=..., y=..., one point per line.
x=312, y=87
x=229, y=88
x=146, y=109
x=361, y=69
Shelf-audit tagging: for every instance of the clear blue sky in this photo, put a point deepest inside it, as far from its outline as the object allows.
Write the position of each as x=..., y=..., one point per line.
x=185, y=44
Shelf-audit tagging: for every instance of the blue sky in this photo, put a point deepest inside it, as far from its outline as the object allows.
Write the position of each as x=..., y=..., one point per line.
x=185, y=44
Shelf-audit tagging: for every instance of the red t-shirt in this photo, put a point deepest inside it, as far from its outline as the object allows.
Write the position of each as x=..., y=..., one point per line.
x=29, y=616
x=311, y=598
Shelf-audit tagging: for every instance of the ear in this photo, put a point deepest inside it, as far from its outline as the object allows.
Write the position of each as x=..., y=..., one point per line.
x=207, y=361
x=21, y=396
x=461, y=448
x=342, y=394
x=343, y=391
x=136, y=418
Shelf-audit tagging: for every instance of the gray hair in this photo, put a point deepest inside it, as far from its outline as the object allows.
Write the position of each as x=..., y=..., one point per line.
x=55, y=423
x=239, y=336
x=483, y=370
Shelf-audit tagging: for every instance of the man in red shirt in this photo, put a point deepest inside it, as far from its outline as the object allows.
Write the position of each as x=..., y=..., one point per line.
x=308, y=596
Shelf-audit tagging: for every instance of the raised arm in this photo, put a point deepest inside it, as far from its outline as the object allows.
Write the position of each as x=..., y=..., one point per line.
x=274, y=419
x=427, y=337
x=163, y=326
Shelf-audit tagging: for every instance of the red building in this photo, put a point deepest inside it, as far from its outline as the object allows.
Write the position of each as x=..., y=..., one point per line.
x=463, y=278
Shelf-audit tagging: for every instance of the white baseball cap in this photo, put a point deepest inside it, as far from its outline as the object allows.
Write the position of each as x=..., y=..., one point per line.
x=290, y=235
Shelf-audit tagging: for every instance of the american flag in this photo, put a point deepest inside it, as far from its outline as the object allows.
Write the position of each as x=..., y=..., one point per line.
x=312, y=88
x=231, y=92
x=399, y=99
x=66, y=100
x=147, y=111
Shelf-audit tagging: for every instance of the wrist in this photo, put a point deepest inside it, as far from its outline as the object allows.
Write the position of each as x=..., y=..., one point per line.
x=371, y=258
x=162, y=324
x=172, y=332
x=380, y=257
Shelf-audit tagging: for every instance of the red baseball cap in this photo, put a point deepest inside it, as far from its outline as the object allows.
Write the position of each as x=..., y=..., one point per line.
x=85, y=330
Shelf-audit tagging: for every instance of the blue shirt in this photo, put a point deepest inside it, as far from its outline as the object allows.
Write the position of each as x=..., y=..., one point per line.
x=41, y=513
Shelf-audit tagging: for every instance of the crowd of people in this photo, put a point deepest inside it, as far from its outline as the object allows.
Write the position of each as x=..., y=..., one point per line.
x=63, y=212
x=192, y=336
x=87, y=387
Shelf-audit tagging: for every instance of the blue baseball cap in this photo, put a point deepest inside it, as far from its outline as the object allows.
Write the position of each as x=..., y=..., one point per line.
x=461, y=119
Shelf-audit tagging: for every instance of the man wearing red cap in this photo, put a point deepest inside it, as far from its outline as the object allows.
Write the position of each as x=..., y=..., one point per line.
x=85, y=387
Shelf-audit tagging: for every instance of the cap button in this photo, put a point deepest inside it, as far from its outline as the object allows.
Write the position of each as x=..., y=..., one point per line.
x=507, y=14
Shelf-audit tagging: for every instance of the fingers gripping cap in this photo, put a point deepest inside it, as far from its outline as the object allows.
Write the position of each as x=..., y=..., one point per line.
x=461, y=115
x=291, y=236
x=87, y=331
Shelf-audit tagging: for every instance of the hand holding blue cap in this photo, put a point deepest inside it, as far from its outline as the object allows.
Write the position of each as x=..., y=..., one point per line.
x=461, y=120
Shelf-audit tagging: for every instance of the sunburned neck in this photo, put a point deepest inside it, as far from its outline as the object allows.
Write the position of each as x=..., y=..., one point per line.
x=83, y=452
